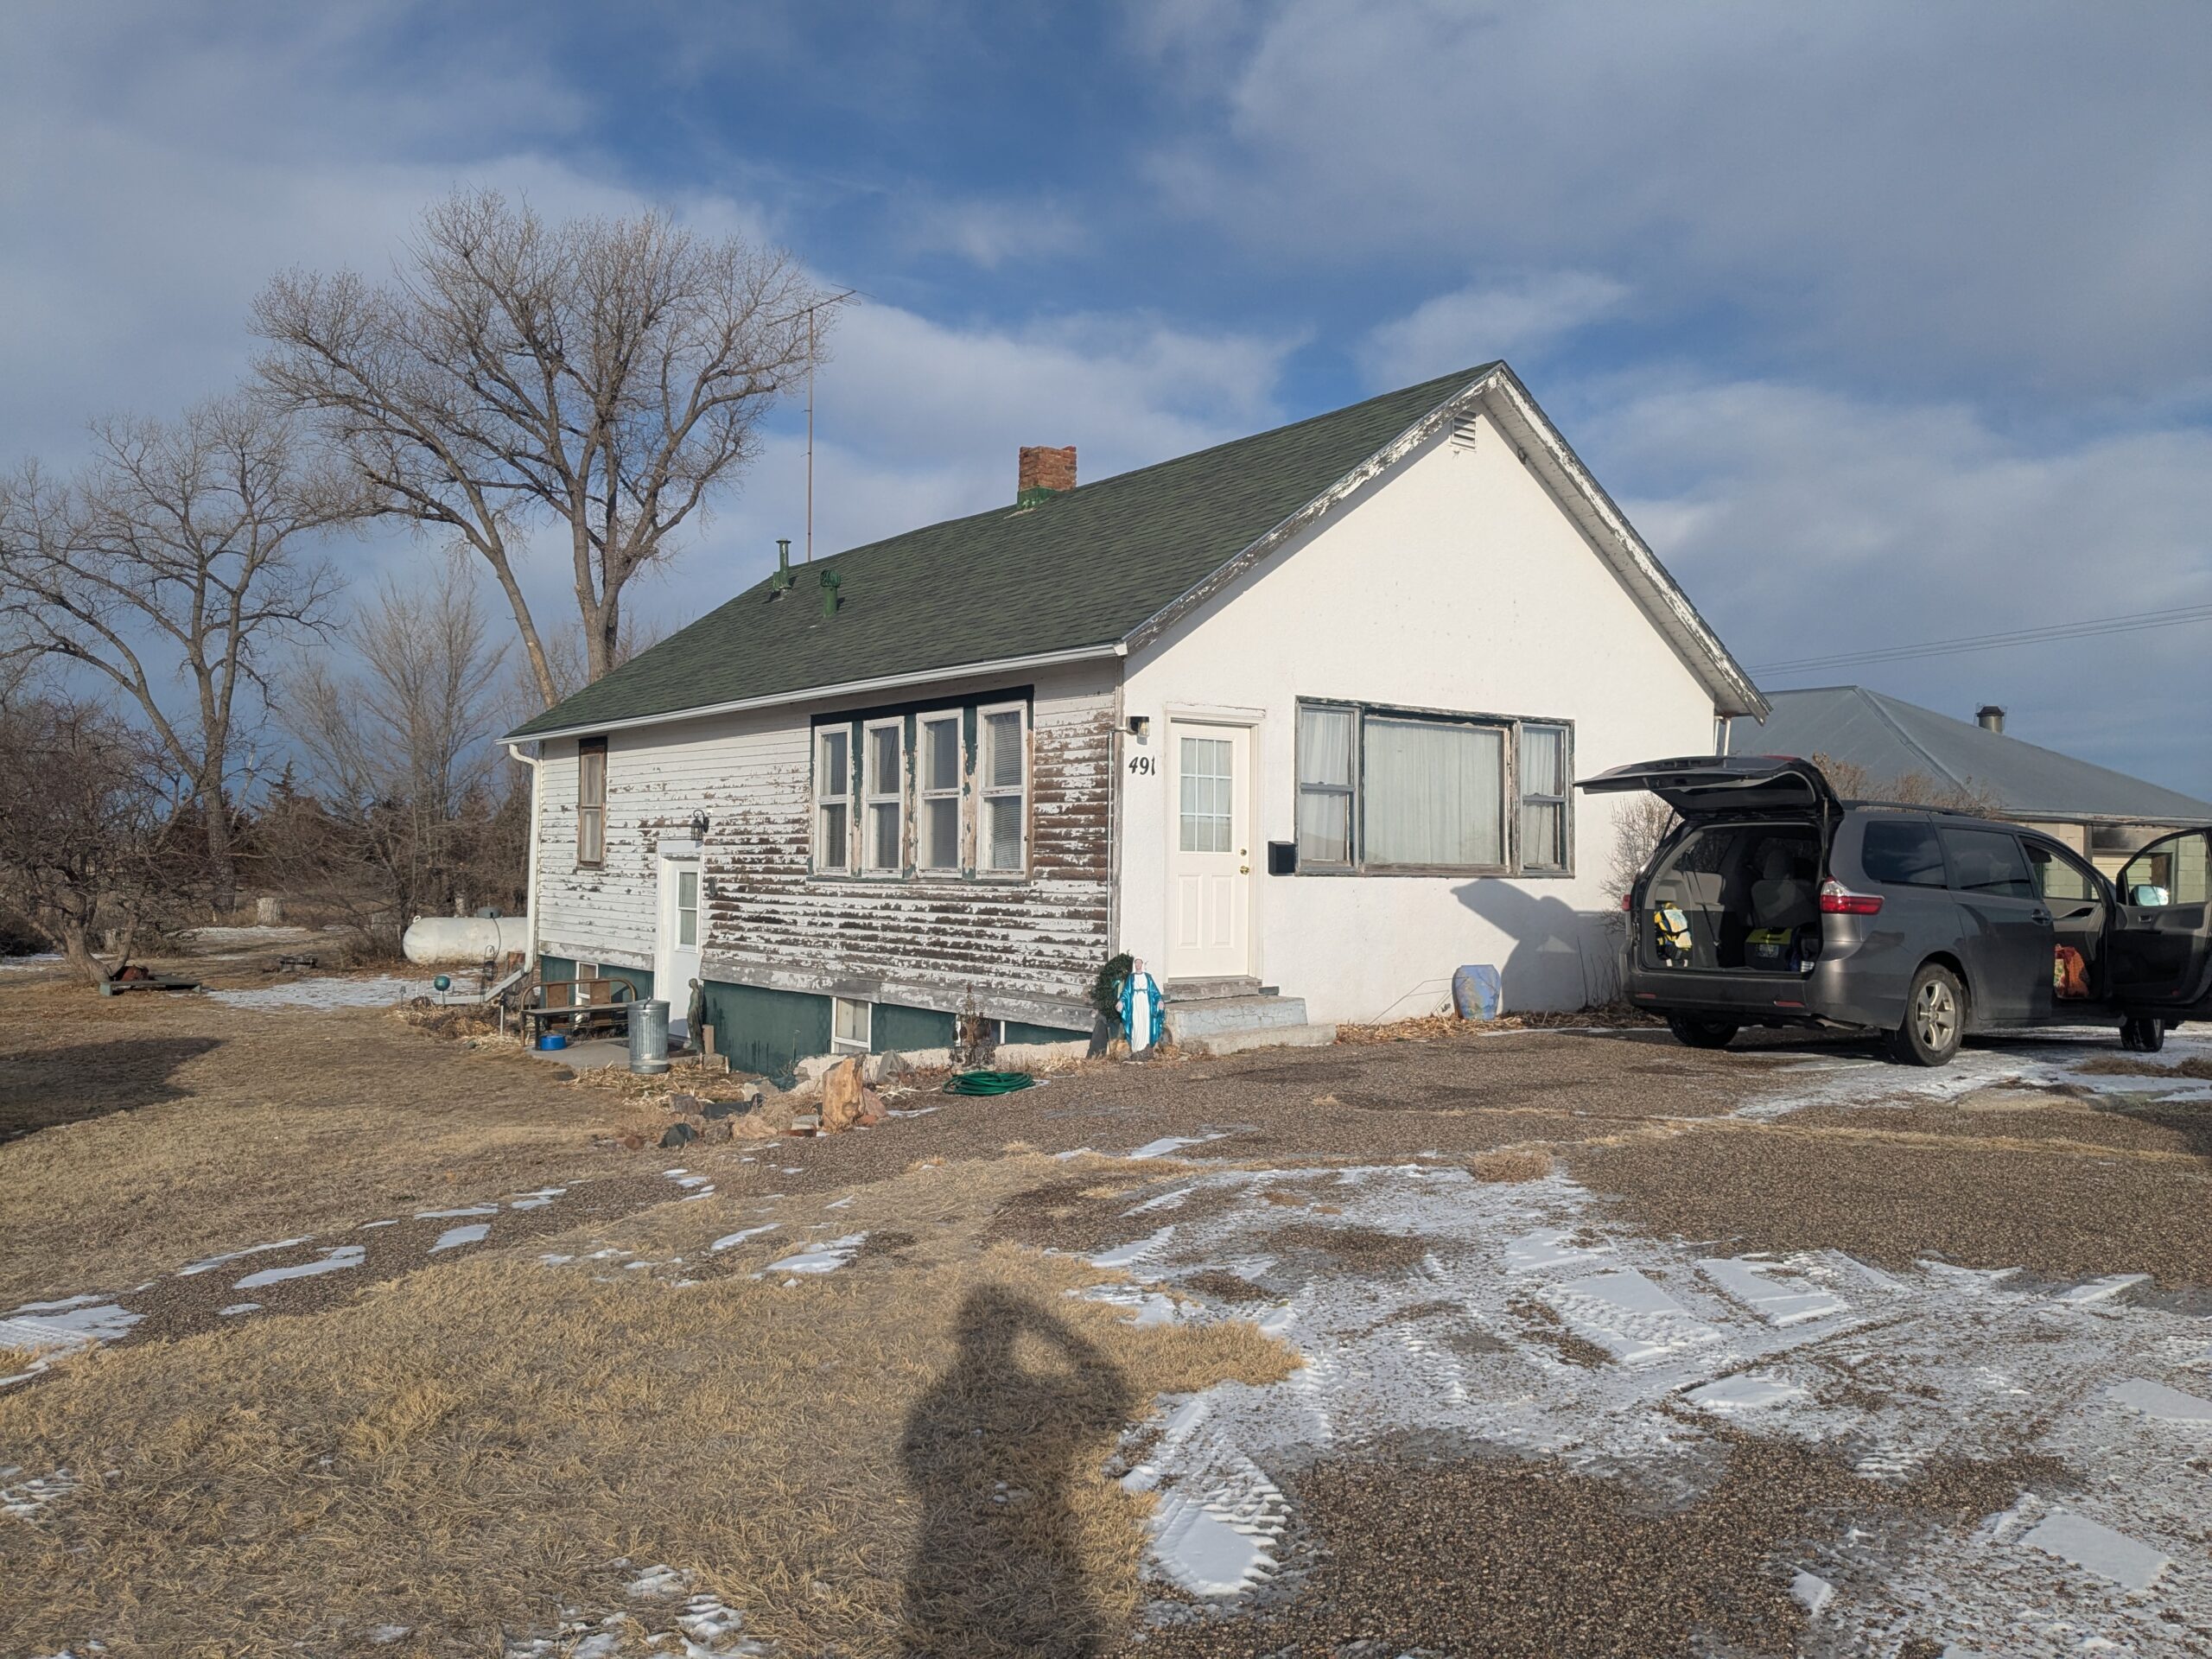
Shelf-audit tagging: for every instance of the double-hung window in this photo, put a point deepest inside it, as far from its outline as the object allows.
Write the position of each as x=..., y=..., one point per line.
x=1326, y=751
x=937, y=787
x=1411, y=791
x=591, y=801
x=1003, y=776
x=884, y=797
x=1546, y=774
x=833, y=798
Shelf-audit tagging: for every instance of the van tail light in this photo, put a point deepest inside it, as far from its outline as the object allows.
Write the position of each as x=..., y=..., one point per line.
x=1628, y=901
x=1836, y=899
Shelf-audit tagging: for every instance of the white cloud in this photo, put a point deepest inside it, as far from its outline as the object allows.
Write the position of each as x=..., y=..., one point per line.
x=1891, y=186
x=1519, y=321
x=1804, y=524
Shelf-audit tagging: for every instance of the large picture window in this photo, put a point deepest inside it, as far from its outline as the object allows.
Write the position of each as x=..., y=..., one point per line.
x=1409, y=792
x=591, y=801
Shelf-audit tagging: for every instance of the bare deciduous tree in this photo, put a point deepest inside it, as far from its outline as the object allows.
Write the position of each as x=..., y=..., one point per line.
x=410, y=792
x=176, y=553
x=85, y=816
x=607, y=373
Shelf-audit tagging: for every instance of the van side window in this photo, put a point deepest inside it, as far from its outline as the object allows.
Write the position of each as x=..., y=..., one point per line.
x=1901, y=853
x=2060, y=878
x=1988, y=861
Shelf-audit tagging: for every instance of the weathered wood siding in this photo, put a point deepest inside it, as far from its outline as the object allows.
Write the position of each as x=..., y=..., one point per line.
x=1024, y=949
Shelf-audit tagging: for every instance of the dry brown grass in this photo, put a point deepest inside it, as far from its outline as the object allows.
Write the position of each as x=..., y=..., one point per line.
x=1506, y=1165
x=206, y=1126
x=2145, y=1066
x=468, y=1449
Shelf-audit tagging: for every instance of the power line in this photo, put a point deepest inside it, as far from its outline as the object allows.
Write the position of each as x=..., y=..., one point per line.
x=2087, y=628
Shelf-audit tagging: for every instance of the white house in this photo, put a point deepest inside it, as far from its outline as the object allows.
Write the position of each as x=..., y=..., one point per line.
x=1295, y=721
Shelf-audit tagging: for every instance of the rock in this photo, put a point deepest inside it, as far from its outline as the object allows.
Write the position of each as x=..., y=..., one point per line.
x=886, y=1067
x=715, y=1109
x=632, y=1143
x=871, y=1109
x=685, y=1105
x=841, y=1093
x=718, y=1132
x=679, y=1135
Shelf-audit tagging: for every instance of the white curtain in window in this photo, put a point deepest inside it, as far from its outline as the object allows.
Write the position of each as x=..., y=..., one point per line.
x=1435, y=793
x=1324, y=785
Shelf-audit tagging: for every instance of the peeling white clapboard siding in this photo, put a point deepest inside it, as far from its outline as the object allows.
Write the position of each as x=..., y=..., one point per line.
x=770, y=920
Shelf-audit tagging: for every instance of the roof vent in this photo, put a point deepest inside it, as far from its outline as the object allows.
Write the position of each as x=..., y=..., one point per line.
x=782, y=579
x=1043, y=473
x=829, y=580
x=1990, y=718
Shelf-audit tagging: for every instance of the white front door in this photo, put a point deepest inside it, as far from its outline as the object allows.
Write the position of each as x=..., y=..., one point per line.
x=1209, y=852
x=676, y=959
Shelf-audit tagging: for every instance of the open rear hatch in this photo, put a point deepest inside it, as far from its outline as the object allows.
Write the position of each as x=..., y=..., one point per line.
x=1728, y=912
x=1697, y=786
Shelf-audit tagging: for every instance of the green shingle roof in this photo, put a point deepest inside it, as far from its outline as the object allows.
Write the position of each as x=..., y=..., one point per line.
x=1085, y=568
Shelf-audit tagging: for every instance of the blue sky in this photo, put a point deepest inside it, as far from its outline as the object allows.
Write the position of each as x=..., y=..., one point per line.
x=1884, y=322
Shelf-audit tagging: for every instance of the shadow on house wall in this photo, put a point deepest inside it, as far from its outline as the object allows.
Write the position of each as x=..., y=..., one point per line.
x=1560, y=959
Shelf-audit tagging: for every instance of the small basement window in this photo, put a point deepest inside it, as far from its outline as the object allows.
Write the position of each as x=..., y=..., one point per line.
x=591, y=801
x=852, y=1025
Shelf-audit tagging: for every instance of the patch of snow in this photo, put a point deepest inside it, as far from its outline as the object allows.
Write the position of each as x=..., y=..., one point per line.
x=685, y=1180
x=822, y=1258
x=384, y=1635
x=454, y=1237
x=910, y=1111
x=1811, y=1592
x=1124, y=1255
x=660, y=1581
x=1151, y=1306
x=1628, y=1316
x=2156, y=1399
x=1168, y=1144
x=1774, y=1290
x=384, y=991
x=333, y=1260
x=838, y=1203
x=445, y=1215
x=25, y=1498
x=728, y=1240
x=2101, y=1290
x=258, y=934
x=1745, y=1391
x=214, y=1261
x=371, y=1226
x=26, y=964
x=73, y=1322
x=2097, y=1548
x=1551, y=1248
x=236, y=1308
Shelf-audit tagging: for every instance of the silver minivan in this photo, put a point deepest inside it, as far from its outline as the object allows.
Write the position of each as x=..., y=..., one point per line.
x=1773, y=902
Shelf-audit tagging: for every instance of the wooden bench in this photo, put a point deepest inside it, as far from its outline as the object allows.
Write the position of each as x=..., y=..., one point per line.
x=585, y=1008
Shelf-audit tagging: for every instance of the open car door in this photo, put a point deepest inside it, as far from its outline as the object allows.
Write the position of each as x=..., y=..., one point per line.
x=2162, y=941
x=1699, y=784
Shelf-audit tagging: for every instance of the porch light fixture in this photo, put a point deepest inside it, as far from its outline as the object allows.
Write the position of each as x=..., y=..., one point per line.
x=699, y=826
x=1139, y=725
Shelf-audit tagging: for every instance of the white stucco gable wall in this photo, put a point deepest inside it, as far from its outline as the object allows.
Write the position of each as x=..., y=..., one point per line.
x=1455, y=582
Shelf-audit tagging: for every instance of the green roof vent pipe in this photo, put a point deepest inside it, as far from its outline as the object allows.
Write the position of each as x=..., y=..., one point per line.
x=782, y=579
x=829, y=580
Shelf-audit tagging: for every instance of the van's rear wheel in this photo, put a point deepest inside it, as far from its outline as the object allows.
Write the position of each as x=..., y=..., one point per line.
x=1701, y=1033
x=1934, y=1019
x=2143, y=1034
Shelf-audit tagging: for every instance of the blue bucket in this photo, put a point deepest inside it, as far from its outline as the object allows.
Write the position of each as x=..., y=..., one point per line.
x=553, y=1039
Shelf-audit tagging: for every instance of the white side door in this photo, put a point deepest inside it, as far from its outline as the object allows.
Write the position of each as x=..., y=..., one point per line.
x=675, y=957
x=1208, y=851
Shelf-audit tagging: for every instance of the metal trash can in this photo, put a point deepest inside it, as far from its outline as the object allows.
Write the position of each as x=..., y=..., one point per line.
x=648, y=1038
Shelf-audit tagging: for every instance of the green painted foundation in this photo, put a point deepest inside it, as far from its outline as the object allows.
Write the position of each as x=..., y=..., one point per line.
x=763, y=1031
x=892, y=1027
x=1016, y=1031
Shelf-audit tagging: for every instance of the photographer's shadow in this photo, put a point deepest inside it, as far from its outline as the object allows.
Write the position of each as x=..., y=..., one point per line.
x=992, y=1449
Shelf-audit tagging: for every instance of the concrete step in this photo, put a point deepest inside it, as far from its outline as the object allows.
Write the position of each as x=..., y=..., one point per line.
x=1236, y=1042
x=1188, y=1021
x=1203, y=990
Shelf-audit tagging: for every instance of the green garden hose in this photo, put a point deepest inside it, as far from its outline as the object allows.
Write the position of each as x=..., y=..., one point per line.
x=986, y=1083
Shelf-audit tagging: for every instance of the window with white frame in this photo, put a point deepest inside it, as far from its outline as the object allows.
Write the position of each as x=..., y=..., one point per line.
x=591, y=801
x=1002, y=778
x=884, y=797
x=937, y=790
x=1407, y=792
x=852, y=1025
x=833, y=798
x=1547, y=775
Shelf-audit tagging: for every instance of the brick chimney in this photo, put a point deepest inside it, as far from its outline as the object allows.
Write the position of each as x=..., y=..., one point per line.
x=1043, y=471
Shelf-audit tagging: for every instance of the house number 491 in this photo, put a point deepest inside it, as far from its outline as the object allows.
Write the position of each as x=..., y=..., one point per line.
x=1140, y=766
